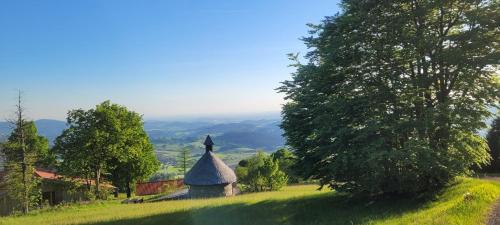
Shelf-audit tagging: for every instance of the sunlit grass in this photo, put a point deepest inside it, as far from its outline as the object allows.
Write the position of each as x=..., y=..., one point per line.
x=294, y=205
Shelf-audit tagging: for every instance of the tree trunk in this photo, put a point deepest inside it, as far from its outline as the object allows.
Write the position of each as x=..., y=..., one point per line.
x=25, y=189
x=97, y=182
x=129, y=191
x=89, y=182
x=26, y=199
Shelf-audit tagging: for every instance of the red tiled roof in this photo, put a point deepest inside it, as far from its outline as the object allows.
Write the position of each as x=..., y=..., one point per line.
x=44, y=174
x=47, y=174
x=151, y=188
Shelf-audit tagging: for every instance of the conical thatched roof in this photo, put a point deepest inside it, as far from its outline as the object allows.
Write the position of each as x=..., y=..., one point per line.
x=210, y=170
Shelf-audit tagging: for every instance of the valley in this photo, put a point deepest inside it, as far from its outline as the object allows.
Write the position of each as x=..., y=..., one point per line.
x=235, y=139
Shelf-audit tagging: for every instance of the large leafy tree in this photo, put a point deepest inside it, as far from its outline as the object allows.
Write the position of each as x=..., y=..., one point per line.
x=76, y=157
x=136, y=159
x=394, y=93
x=107, y=139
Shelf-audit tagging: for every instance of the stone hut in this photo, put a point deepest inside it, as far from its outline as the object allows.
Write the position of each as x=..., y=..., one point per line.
x=210, y=176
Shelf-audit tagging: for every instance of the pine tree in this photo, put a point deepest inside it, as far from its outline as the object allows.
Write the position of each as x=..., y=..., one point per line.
x=184, y=160
x=24, y=150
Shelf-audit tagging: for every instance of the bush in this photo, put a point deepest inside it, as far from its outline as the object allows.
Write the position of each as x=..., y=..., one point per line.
x=261, y=173
x=287, y=163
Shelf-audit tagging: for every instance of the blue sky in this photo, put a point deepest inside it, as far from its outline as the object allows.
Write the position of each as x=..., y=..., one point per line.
x=160, y=58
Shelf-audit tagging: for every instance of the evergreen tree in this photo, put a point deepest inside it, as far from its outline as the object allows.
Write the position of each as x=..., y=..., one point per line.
x=23, y=151
x=184, y=160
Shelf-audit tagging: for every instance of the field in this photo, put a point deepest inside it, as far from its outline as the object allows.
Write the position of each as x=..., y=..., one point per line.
x=467, y=202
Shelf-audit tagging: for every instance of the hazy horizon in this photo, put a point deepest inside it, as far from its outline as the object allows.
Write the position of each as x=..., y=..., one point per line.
x=161, y=59
x=228, y=117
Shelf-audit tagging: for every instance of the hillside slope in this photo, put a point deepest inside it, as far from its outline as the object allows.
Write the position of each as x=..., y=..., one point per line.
x=465, y=203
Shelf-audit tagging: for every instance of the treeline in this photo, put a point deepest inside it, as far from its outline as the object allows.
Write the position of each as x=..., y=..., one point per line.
x=107, y=142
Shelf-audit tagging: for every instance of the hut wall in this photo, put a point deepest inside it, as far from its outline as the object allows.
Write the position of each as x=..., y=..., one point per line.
x=208, y=191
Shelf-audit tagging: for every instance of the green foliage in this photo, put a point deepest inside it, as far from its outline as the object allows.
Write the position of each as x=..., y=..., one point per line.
x=493, y=138
x=136, y=159
x=37, y=147
x=25, y=147
x=394, y=94
x=108, y=139
x=261, y=173
x=287, y=160
x=75, y=190
x=14, y=181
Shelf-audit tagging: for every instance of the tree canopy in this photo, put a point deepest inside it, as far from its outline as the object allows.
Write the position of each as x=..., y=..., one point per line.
x=394, y=93
x=108, y=139
x=36, y=146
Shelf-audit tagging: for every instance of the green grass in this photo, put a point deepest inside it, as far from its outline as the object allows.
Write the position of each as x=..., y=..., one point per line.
x=295, y=205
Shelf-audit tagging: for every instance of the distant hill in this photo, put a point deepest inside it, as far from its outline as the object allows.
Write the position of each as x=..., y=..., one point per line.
x=233, y=140
x=261, y=134
x=50, y=128
x=47, y=128
x=4, y=130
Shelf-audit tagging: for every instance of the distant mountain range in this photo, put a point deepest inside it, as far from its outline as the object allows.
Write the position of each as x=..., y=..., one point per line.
x=47, y=128
x=172, y=135
x=254, y=134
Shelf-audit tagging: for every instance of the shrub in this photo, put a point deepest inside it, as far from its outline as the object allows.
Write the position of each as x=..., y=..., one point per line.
x=261, y=173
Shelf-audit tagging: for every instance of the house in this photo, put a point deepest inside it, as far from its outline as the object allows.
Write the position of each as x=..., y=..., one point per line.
x=210, y=176
x=55, y=189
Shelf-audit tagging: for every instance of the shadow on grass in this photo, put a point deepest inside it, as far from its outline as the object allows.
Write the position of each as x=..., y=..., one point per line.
x=320, y=209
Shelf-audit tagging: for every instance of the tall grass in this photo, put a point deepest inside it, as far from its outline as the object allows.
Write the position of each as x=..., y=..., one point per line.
x=467, y=202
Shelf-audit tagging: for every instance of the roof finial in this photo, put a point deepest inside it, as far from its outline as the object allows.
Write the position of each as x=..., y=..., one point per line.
x=208, y=144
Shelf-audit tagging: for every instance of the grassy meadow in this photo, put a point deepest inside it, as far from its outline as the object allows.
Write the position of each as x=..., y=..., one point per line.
x=467, y=202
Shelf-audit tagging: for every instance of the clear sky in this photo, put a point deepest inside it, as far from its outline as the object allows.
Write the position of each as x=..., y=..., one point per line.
x=159, y=58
